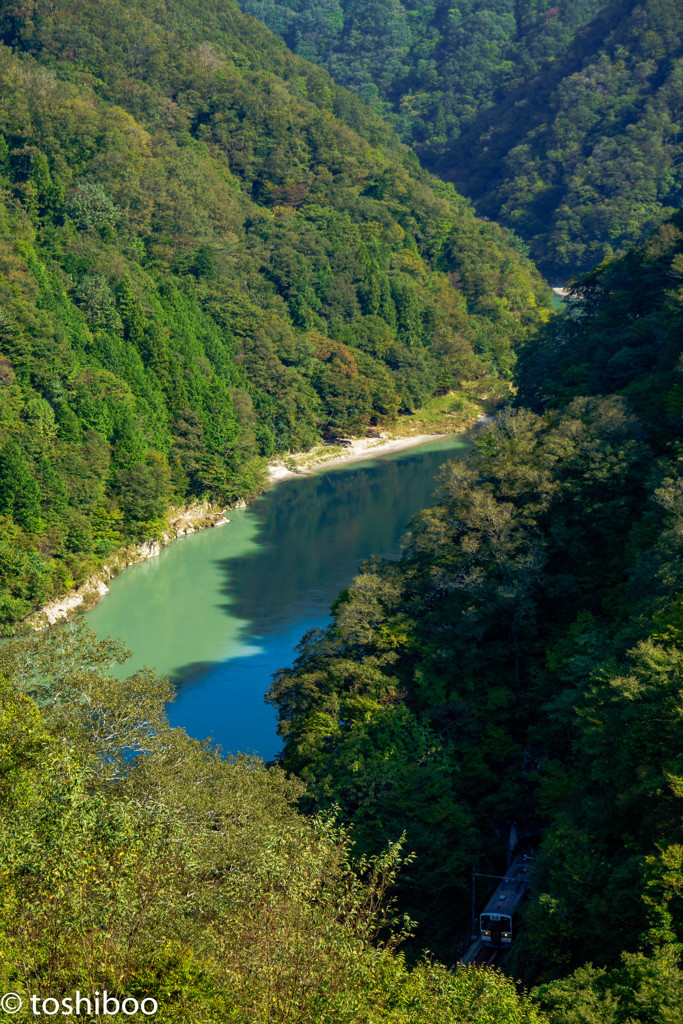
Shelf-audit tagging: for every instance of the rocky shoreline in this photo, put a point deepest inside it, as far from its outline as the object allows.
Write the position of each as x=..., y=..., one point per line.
x=182, y=522
x=202, y=515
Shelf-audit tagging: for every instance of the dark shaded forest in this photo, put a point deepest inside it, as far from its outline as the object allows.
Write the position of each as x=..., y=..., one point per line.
x=560, y=121
x=522, y=661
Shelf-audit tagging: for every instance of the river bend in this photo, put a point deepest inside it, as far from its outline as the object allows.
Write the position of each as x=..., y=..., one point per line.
x=221, y=610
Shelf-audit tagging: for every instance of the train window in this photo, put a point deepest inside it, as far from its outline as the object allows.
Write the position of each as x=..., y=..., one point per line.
x=496, y=923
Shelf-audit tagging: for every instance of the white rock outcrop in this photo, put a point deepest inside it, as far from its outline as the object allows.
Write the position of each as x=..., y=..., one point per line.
x=182, y=522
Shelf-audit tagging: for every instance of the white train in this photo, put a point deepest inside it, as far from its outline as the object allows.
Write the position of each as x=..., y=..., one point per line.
x=496, y=921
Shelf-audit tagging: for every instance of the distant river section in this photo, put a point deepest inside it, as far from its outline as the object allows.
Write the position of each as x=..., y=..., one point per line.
x=221, y=610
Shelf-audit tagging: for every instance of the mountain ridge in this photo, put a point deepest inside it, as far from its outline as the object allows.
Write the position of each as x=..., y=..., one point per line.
x=559, y=121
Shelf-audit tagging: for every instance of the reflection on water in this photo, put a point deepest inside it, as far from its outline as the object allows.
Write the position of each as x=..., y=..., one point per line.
x=313, y=534
x=221, y=610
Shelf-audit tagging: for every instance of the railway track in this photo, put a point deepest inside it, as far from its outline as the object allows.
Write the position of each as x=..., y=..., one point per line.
x=488, y=957
x=481, y=955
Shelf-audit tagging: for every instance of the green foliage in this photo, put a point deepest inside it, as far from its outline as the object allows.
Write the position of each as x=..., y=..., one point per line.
x=584, y=158
x=19, y=492
x=642, y=989
x=89, y=206
x=137, y=860
x=428, y=67
x=522, y=661
x=561, y=121
x=211, y=255
x=629, y=340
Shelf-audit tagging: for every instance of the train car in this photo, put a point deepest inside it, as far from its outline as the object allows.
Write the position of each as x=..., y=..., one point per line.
x=496, y=921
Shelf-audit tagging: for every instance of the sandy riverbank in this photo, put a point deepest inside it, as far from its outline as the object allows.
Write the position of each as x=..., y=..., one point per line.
x=187, y=520
x=349, y=450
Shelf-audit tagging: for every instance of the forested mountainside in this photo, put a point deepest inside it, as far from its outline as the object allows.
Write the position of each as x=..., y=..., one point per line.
x=560, y=121
x=586, y=156
x=429, y=68
x=522, y=661
x=210, y=254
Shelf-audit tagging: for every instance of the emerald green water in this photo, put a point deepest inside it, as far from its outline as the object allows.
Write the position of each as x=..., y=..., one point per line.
x=221, y=610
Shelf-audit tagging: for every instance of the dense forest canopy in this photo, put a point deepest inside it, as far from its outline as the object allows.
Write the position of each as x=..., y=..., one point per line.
x=210, y=254
x=522, y=661
x=136, y=861
x=587, y=156
x=560, y=120
x=427, y=67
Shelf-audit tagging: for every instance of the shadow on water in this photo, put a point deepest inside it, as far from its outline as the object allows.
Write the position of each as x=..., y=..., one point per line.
x=221, y=611
x=313, y=533
x=312, y=536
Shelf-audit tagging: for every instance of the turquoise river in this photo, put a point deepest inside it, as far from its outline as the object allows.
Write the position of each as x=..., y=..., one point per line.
x=221, y=610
